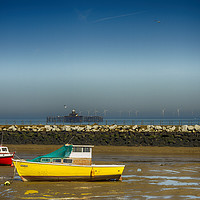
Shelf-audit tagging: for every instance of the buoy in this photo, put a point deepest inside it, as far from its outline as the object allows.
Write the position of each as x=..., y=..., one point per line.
x=7, y=183
x=12, y=165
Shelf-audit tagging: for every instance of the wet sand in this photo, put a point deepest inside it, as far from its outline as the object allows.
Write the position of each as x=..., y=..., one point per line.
x=150, y=173
x=112, y=149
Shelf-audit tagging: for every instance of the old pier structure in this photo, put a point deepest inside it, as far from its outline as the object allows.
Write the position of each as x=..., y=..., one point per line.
x=73, y=117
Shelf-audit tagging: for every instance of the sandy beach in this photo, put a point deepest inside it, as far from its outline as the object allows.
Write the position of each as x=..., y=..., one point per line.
x=115, y=149
x=150, y=173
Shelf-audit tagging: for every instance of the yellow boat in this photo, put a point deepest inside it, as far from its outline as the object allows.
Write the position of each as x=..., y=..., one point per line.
x=69, y=163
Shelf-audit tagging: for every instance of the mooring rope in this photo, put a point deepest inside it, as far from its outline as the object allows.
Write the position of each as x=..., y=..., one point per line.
x=17, y=156
x=7, y=183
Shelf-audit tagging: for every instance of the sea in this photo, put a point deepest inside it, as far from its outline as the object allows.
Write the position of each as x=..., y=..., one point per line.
x=117, y=121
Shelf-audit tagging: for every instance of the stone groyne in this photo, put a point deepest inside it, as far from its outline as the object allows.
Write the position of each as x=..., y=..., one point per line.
x=122, y=135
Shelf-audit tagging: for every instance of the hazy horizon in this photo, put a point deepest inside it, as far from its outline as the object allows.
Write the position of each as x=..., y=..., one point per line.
x=137, y=58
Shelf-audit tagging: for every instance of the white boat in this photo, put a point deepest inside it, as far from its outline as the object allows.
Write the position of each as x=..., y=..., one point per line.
x=5, y=156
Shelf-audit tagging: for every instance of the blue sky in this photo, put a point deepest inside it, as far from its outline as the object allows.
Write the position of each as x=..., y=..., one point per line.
x=116, y=55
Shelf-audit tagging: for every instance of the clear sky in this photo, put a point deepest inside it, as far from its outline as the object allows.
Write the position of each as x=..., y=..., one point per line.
x=116, y=55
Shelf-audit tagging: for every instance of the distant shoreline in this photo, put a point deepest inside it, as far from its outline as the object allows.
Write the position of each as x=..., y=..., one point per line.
x=106, y=121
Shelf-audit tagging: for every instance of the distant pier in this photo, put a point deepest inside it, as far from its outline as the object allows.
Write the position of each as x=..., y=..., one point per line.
x=73, y=117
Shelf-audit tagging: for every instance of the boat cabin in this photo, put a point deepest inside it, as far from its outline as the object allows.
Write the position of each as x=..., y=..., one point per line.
x=4, y=149
x=80, y=155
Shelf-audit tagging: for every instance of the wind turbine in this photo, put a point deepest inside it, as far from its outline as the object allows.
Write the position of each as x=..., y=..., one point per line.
x=95, y=112
x=65, y=107
x=120, y=113
x=178, y=111
x=193, y=116
x=136, y=113
x=163, y=112
x=88, y=112
x=104, y=112
x=129, y=113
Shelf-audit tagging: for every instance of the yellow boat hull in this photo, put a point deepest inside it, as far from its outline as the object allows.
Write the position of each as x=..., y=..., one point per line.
x=33, y=171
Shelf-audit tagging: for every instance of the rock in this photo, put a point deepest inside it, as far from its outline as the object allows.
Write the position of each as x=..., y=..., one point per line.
x=197, y=128
x=190, y=128
x=150, y=126
x=55, y=129
x=168, y=129
x=113, y=127
x=179, y=129
x=80, y=128
x=12, y=128
x=173, y=128
x=184, y=128
x=134, y=127
x=159, y=128
x=88, y=127
x=74, y=128
x=28, y=128
x=40, y=129
x=48, y=128
x=94, y=130
x=95, y=127
x=126, y=127
x=66, y=128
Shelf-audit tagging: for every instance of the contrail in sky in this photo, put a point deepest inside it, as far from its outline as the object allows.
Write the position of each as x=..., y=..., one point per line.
x=118, y=16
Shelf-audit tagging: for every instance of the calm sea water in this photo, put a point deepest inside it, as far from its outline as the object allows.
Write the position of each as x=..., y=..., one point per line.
x=106, y=122
x=146, y=176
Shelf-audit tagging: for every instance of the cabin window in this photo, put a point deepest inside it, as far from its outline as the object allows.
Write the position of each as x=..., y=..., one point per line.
x=58, y=160
x=77, y=149
x=86, y=149
x=45, y=160
x=67, y=160
x=4, y=149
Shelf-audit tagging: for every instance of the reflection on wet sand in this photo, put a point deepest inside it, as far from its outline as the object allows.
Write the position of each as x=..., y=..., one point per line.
x=148, y=175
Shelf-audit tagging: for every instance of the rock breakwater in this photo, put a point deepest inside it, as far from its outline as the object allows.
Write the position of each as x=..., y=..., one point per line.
x=128, y=135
